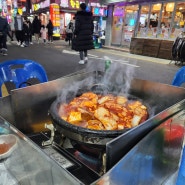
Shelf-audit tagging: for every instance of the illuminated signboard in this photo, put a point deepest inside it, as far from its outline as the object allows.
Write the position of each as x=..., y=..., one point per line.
x=97, y=11
x=35, y=7
x=64, y=3
x=55, y=18
x=45, y=4
x=55, y=14
x=118, y=11
x=74, y=4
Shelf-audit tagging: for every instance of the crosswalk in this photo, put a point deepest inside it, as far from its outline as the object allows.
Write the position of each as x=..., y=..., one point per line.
x=71, y=52
x=95, y=57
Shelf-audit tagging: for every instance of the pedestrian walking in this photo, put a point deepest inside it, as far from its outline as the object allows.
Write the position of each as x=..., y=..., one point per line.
x=12, y=28
x=26, y=33
x=3, y=35
x=9, y=32
x=30, y=29
x=50, y=31
x=69, y=32
x=36, y=26
x=83, y=33
x=18, y=23
x=43, y=32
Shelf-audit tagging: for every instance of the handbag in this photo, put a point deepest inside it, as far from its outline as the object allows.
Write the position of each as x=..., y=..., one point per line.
x=66, y=39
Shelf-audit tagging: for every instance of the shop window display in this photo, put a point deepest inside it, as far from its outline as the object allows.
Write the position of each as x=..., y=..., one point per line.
x=179, y=20
x=149, y=28
x=154, y=20
x=166, y=20
x=143, y=20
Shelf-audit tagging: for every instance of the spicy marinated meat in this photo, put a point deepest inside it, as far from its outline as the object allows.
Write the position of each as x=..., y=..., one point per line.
x=103, y=112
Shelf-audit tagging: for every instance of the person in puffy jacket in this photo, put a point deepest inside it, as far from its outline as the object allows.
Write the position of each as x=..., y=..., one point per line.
x=36, y=27
x=50, y=31
x=83, y=33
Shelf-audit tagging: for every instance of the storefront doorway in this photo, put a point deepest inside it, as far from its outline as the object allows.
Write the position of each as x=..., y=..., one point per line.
x=124, y=23
x=117, y=25
x=130, y=20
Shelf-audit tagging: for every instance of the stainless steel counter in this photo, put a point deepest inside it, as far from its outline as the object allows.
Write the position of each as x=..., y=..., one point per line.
x=27, y=110
x=28, y=164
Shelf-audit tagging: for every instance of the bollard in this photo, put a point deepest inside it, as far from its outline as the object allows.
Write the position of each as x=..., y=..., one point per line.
x=107, y=64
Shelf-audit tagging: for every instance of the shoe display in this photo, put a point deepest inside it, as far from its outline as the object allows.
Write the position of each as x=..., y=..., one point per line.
x=81, y=62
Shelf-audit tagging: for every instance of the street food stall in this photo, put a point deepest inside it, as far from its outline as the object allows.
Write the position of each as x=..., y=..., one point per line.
x=50, y=150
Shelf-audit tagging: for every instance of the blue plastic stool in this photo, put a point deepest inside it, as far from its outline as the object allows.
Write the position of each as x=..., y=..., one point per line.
x=181, y=173
x=179, y=77
x=20, y=71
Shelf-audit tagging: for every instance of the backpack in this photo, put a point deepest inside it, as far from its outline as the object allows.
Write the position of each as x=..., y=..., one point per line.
x=71, y=26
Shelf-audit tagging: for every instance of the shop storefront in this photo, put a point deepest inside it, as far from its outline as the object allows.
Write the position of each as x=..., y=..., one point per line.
x=70, y=7
x=67, y=12
x=100, y=14
x=161, y=21
x=9, y=9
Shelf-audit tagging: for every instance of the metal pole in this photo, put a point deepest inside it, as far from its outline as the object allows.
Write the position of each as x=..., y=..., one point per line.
x=108, y=32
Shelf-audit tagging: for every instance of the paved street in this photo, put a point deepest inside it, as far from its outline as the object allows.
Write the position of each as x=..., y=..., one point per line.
x=58, y=60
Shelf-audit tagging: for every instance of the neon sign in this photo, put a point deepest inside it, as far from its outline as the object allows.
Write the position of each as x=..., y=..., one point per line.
x=74, y=4
x=119, y=12
x=97, y=11
x=55, y=14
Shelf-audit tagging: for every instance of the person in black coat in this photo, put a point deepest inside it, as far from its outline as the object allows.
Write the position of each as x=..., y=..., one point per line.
x=30, y=30
x=36, y=27
x=3, y=35
x=50, y=31
x=83, y=33
x=25, y=33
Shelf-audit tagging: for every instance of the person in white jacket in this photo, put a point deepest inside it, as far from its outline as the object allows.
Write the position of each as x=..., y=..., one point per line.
x=18, y=23
x=44, y=32
x=12, y=28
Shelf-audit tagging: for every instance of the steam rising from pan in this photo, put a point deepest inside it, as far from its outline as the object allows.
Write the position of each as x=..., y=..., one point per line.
x=116, y=79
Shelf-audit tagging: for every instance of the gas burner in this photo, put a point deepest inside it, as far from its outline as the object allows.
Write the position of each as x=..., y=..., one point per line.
x=94, y=163
x=93, y=160
x=68, y=158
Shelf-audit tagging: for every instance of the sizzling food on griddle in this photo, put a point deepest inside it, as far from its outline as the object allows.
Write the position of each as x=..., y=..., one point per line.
x=103, y=112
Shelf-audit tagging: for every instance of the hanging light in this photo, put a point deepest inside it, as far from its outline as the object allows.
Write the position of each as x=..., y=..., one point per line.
x=157, y=7
x=170, y=7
